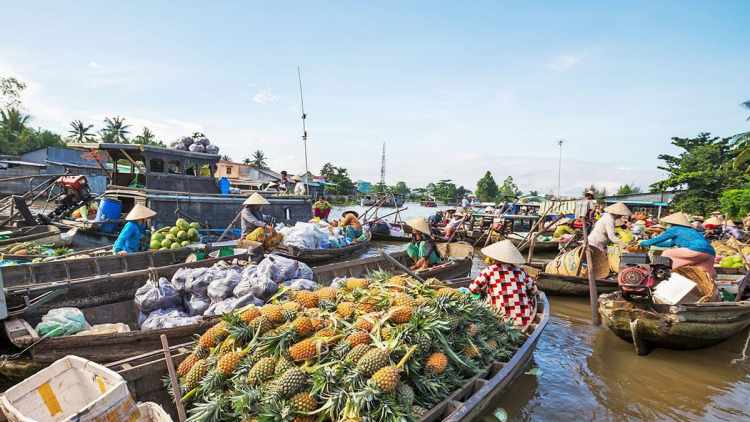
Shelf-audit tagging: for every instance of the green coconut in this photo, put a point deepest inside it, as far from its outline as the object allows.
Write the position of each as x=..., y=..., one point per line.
x=175, y=245
x=171, y=237
x=182, y=235
x=185, y=243
x=195, y=226
x=184, y=226
x=193, y=234
x=155, y=244
x=158, y=237
x=163, y=249
x=166, y=243
x=179, y=222
x=174, y=230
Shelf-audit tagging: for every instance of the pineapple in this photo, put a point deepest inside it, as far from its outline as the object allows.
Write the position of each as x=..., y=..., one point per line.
x=205, y=342
x=227, y=363
x=386, y=379
x=272, y=312
x=358, y=337
x=304, y=327
x=289, y=383
x=292, y=306
x=372, y=361
x=196, y=373
x=262, y=370
x=399, y=314
x=366, y=322
x=326, y=304
x=288, y=314
x=404, y=299
x=318, y=323
x=471, y=351
x=263, y=323
x=345, y=309
x=454, y=321
x=436, y=364
x=282, y=365
x=418, y=411
x=357, y=283
x=356, y=353
x=303, y=402
x=404, y=394
x=492, y=345
x=326, y=332
x=304, y=418
x=250, y=314
x=424, y=344
x=304, y=350
x=472, y=330
x=447, y=291
x=397, y=280
x=186, y=365
x=366, y=307
x=327, y=293
x=307, y=299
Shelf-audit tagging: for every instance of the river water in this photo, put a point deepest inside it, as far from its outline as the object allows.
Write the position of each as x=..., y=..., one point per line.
x=586, y=373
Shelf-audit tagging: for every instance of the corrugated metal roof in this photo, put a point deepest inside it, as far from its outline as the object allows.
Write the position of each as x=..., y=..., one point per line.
x=22, y=163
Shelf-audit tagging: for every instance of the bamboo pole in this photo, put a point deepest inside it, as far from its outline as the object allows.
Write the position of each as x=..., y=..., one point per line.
x=173, y=379
x=593, y=295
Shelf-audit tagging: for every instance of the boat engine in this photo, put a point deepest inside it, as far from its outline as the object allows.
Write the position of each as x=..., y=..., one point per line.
x=74, y=193
x=637, y=276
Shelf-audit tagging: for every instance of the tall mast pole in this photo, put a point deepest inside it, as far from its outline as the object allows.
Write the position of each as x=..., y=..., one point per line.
x=559, y=167
x=304, y=131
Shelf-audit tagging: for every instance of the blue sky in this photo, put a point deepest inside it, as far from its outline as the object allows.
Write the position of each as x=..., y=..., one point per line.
x=453, y=88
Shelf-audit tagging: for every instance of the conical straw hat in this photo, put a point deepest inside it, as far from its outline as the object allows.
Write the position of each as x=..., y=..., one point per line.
x=730, y=223
x=618, y=209
x=504, y=251
x=677, y=219
x=420, y=225
x=256, y=199
x=713, y=220
x=296, y=178
x=140, y=212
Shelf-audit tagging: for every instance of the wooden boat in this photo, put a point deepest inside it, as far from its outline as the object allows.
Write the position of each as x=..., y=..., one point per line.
x=109, y=299
x=42, y=235
x=567, y=285
x=691, y=326
x=144, y=374
x=316, y=256
x=428, y=203
x=395, y=200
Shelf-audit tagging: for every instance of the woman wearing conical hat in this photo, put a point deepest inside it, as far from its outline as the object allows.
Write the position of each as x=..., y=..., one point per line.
x=129, y=240
x=508, y=287
x=252, y=217
x=732, y=229
x=422, y=248
x=604, y=230
x=691, y=247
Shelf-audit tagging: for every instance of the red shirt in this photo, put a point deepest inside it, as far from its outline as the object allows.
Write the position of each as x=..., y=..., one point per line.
x=509, y=289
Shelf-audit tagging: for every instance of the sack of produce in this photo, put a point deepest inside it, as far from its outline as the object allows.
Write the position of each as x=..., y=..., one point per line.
x=249, y=270
x=200, y=278
x=261, y=287
x=304, y=271
x=168, y=318
x=300, y=284
x=195, y=305
x=62, y=322
x=277, y=268
x=157, y=295
x=222, y=288
x=186, y=140
x=302, y=235
x=180, y=278
x=197, y=148
x=231, y=304
x=212, y=149
x=203, y=141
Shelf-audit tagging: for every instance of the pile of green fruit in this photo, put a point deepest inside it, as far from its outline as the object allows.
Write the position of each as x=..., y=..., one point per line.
x=732, y=262
x=177, y=236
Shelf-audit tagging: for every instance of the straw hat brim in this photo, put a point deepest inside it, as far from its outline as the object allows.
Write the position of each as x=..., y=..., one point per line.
x=619, y=223
x=504, y=251
x=356, y=214
x=420, y=225
x=618, y=209
x=256, y=199
x=140, y=212
x=730, y=223
x=297, y=178
x=677, y=219
x=713, y=220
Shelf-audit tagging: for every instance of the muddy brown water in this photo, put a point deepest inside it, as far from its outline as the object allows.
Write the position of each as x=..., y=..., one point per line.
x=586, y=373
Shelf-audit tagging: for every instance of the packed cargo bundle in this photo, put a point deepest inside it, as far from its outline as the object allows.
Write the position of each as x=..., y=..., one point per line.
x=383, y=348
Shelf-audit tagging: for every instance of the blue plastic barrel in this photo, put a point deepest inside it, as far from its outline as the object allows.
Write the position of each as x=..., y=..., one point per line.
x=224, y=186
x=109, y=209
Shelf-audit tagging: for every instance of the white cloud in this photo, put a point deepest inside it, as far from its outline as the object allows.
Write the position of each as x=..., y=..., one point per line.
x=95, y=65
x=266, y=97
x=563, y=62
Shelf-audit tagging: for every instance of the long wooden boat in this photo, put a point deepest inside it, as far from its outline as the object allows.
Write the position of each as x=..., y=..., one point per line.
x=144, y=374
x=691, y=326
x=316, y=256
x=109, y=299
x=42, y=235
x=567, y=285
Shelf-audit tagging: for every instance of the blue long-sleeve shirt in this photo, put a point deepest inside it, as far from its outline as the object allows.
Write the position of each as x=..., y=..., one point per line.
x=129, y=239
x=682, y=237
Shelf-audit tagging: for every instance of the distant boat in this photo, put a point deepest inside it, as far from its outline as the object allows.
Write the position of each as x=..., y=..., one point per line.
x=370, y=200
x=428, y=203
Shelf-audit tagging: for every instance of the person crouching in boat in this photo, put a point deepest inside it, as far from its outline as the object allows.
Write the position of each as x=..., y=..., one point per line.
x=563, y=228
x=322, y=208
x=253, y=223
x=509, y=288
x=350, y=224
x=691, y=247
x=129, y=240
x=422, y=248
x=604, y=229
x=453, y=224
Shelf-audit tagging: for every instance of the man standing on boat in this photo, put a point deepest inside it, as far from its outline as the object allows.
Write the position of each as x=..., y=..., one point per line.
x=129, y=240
x=586, y=207
x=284, y=184
x=507, y=286
x=604, y=230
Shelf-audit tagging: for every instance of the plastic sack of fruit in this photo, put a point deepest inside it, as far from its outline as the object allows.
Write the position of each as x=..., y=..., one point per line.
x=62, y=322
x=222, y=288
x=157, y=295
x=277, y=268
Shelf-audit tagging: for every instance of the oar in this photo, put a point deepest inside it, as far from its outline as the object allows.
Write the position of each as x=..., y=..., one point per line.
x=400, y=265
x=229, y=226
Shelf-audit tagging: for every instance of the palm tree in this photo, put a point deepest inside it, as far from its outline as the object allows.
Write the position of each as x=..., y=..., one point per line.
x=259, y=159
x=226, y=158
x=116, y=130
x=746, y=104
x=12, y=123
x=743, y=144
x=246, y=161
x=145, y=138
x=198, y=135
x=80, y=131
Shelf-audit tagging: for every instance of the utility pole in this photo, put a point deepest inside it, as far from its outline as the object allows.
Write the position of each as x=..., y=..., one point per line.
x=382, y=169
x=559, y=167
x=304, y=131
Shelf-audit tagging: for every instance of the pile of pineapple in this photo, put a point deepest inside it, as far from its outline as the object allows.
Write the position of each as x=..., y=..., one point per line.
x=381, y=348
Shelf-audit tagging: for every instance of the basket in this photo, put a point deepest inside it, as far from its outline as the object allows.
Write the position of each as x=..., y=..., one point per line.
x=613, y=257
x=568, y=263
x=704, y=281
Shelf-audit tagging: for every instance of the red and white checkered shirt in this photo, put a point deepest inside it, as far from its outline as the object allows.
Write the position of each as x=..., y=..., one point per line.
x=509, y=289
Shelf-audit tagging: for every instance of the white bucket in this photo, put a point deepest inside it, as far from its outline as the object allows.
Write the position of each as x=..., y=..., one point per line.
x=71, y=389
x=152, y=412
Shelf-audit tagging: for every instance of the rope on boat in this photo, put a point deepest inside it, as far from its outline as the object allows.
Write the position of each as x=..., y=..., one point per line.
x=6, y=358
x=744, y=351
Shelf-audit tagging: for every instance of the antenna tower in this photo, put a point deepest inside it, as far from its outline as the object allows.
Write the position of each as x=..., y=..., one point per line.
x=382, y=168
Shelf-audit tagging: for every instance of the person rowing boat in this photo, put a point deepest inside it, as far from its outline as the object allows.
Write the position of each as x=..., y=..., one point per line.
x=422, y=248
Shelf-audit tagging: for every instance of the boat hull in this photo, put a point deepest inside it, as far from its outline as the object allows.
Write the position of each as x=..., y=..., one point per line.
x=319, y=256
x=682, y=327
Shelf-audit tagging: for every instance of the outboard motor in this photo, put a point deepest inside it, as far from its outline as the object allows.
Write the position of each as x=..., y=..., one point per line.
x=74, y=193
x=637, y=276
